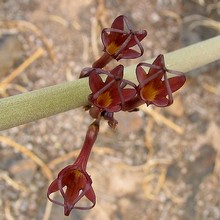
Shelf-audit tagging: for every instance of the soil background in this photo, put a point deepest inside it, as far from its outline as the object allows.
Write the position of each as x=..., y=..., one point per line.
x=158, y=163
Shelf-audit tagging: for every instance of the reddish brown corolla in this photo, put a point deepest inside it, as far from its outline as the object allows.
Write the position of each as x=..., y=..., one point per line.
x=73, y=182
x=110, y=95
x=118, y=41
x=154, y=86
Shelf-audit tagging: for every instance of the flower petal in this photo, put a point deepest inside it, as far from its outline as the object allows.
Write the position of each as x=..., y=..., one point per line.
x=128, y=94
x=141, y=74
x=159, y=62
x=128, y=54
x=90, y=194
x=161, y=102
x=140, y=36
x=105, y=38
x=53, y=187
x=76, y=182
x=117, y=72
x=118, y=23
x=95, y=82
x=175, y=84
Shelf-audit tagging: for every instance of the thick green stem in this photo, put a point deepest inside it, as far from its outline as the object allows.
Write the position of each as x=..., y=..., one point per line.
x=31, y=106
x=188, y=58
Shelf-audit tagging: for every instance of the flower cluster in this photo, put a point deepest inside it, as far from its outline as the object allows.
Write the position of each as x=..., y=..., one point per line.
x=110, y=93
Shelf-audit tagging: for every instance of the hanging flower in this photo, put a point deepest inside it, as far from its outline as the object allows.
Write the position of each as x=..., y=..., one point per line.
x=78, y=184
x=75, y=179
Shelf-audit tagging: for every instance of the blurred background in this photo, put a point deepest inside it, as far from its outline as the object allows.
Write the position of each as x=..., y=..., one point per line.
x=158, y=163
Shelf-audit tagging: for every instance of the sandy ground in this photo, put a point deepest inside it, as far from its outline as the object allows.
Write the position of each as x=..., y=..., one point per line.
x=158, y=163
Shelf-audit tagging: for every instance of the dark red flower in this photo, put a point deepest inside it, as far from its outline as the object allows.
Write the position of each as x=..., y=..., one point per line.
x=120, y=38
x=75, y=179
x=78, y=184
x=120, y=41
x=154, y=86
x=111, y=94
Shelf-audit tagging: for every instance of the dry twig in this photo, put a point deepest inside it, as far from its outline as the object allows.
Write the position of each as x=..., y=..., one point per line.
x=7, y=211
x=34, y=56
x=210, y=88
x=173, y=15
x=94, y=37
x=160, y=118
x=151, y=163
x=46, y=171
x=59, y=20
x=22, y=25
x=48, y=208
x=152, y=192
x=4, y=175
x=148, y=137
x=198, y=20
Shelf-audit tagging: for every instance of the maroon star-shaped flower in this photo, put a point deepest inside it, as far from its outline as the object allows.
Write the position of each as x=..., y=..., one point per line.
x=155, y=87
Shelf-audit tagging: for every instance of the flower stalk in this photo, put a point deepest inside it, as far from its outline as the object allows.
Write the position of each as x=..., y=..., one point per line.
x=42, y=103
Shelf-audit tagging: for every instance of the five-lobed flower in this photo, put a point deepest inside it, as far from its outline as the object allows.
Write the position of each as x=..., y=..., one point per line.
x=119, y=42
x=110, y=94
x=75, y=178
x=155, y=87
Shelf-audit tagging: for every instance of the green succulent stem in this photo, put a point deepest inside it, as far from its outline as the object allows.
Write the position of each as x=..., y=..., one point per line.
x=31, y=106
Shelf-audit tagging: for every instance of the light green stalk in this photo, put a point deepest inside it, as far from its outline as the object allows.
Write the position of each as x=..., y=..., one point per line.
x=27, y=107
